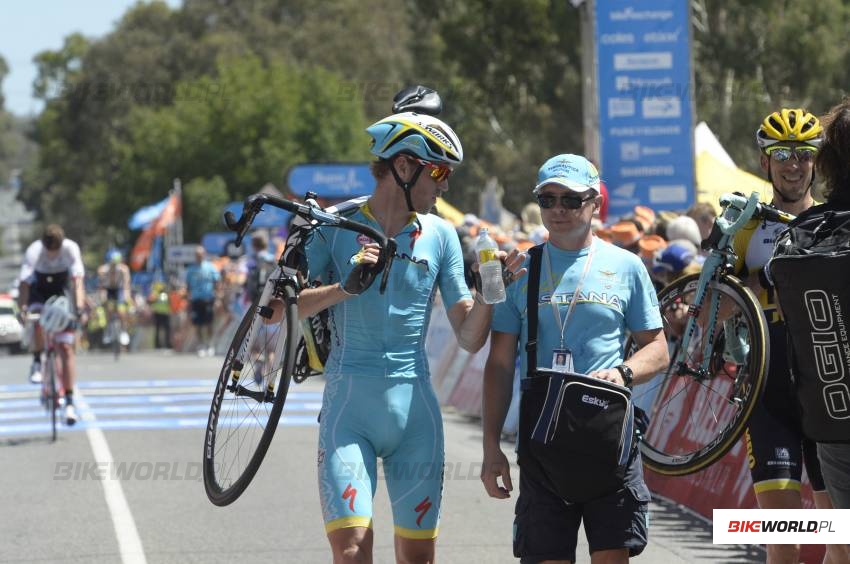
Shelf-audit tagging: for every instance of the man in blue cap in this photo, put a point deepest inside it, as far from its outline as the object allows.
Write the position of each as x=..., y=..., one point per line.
x=591, y=294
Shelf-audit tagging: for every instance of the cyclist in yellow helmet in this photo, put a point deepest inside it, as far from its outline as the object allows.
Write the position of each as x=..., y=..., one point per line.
x=789, y=140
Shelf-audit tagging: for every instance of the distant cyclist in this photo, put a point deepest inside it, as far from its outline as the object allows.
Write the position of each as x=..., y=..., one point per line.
x=378, y=398
x=53, y=267
x=789, y=140
x=115, y=294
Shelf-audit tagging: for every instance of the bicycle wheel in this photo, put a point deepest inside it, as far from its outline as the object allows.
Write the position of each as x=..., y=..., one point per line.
x=249, y=396
x=51, y=398
x=115, y=333
x=697, y=415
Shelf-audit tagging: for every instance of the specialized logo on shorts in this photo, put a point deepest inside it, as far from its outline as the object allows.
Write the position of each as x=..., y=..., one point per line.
x=364, y=239
x=349, y=494
x=422, y=509
x=593, y=400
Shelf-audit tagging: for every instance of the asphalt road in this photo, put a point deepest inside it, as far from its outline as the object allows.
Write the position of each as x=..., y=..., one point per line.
x=124, y=484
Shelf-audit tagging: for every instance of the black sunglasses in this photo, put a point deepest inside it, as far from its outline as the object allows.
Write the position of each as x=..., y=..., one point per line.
x=548, y=201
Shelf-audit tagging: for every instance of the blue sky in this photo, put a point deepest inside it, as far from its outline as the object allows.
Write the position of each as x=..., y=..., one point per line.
x=28, y=27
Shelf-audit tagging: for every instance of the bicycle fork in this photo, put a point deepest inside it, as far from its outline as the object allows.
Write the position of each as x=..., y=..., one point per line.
x=272, y=290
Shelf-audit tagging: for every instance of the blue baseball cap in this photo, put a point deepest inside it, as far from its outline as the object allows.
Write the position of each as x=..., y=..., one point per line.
x=568, y=171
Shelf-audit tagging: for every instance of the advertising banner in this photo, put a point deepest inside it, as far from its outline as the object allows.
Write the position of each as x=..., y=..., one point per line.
x=645, y=109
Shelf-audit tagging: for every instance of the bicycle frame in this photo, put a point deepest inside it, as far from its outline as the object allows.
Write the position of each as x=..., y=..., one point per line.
x=287, y=273
x=737, y=211
x=49, y=359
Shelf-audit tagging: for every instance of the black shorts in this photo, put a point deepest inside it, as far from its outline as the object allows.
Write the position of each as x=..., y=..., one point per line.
x=202, y=312
x=546, y=527
x=776, y=453
x=776, y=446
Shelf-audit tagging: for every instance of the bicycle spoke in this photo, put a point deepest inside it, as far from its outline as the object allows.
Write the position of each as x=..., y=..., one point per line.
x=699, y=404
x=248, y=403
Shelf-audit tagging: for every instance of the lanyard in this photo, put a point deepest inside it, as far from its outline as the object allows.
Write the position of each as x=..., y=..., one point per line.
x=563, y=325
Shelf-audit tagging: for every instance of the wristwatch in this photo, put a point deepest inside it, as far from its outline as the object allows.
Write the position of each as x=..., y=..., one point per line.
x=627, y=374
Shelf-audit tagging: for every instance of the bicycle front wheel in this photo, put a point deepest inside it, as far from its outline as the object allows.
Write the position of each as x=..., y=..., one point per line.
x=249, y=396
x=52, y=396
x=698, y=414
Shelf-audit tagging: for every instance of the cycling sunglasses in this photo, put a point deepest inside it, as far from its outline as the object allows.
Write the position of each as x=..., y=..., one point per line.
x=439, y=172
x=781, y=154
x=571, y=202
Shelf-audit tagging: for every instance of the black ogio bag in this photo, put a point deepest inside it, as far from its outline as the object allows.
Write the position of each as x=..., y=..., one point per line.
x=810, y=270
x=576, y=433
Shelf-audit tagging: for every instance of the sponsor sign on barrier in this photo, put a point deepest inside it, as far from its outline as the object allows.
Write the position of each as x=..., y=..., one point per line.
x=725, y=484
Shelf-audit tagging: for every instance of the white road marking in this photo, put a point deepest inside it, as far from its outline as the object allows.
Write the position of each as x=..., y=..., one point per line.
x=129, y=542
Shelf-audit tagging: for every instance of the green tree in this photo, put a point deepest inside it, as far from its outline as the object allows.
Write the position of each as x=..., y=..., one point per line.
x=243, y=128
x=203, y=200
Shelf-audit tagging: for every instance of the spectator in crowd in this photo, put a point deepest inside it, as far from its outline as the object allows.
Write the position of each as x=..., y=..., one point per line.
x=202, y=285
x=704, y=214
x=161, y=309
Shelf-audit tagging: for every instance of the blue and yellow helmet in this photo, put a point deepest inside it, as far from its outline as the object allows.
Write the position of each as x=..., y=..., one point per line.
x=420, y=135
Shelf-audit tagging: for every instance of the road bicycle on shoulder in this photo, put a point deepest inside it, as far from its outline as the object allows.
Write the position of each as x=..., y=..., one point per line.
x=719, y=353
x=269, y=350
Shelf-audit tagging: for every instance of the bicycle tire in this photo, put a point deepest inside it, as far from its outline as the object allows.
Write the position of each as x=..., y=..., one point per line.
x=52, y=397
x=115, y=332
x=233, y=447
x=716, y=406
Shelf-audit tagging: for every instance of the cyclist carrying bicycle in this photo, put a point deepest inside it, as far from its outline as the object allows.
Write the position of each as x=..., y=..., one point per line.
x=789, y=140
x=114, y=291
x=378, y=398
x=53, y=266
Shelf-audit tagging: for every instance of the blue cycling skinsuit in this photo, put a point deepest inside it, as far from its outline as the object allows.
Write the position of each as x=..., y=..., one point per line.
x=378, y=398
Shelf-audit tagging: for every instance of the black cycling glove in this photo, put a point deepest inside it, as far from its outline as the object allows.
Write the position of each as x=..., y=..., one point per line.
x=507, y=278
x=361, y=277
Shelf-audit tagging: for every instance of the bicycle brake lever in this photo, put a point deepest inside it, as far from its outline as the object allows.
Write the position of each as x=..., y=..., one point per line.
x=250, y=209
x=390, y=249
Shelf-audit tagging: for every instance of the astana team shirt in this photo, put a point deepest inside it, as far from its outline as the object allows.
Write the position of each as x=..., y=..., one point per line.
x=616, y=296
x=383, y=335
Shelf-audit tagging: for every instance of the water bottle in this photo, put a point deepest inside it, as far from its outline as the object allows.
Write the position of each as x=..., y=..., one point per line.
x=489, y=268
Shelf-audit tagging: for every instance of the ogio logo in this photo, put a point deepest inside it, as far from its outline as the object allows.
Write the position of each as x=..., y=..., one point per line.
x=592, y=400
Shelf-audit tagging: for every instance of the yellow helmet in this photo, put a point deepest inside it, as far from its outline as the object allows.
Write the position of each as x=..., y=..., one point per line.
x=790, y=125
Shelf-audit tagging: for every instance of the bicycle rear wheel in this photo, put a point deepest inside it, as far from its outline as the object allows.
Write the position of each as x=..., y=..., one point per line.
x=697, y=416
x=249, y=396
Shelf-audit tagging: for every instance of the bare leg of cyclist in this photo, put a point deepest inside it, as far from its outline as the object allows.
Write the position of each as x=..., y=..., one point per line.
x=67, y=377
x=414, y=551
x=781, y=499
x=835, y=553
x=352, y=544
x=37, y=347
